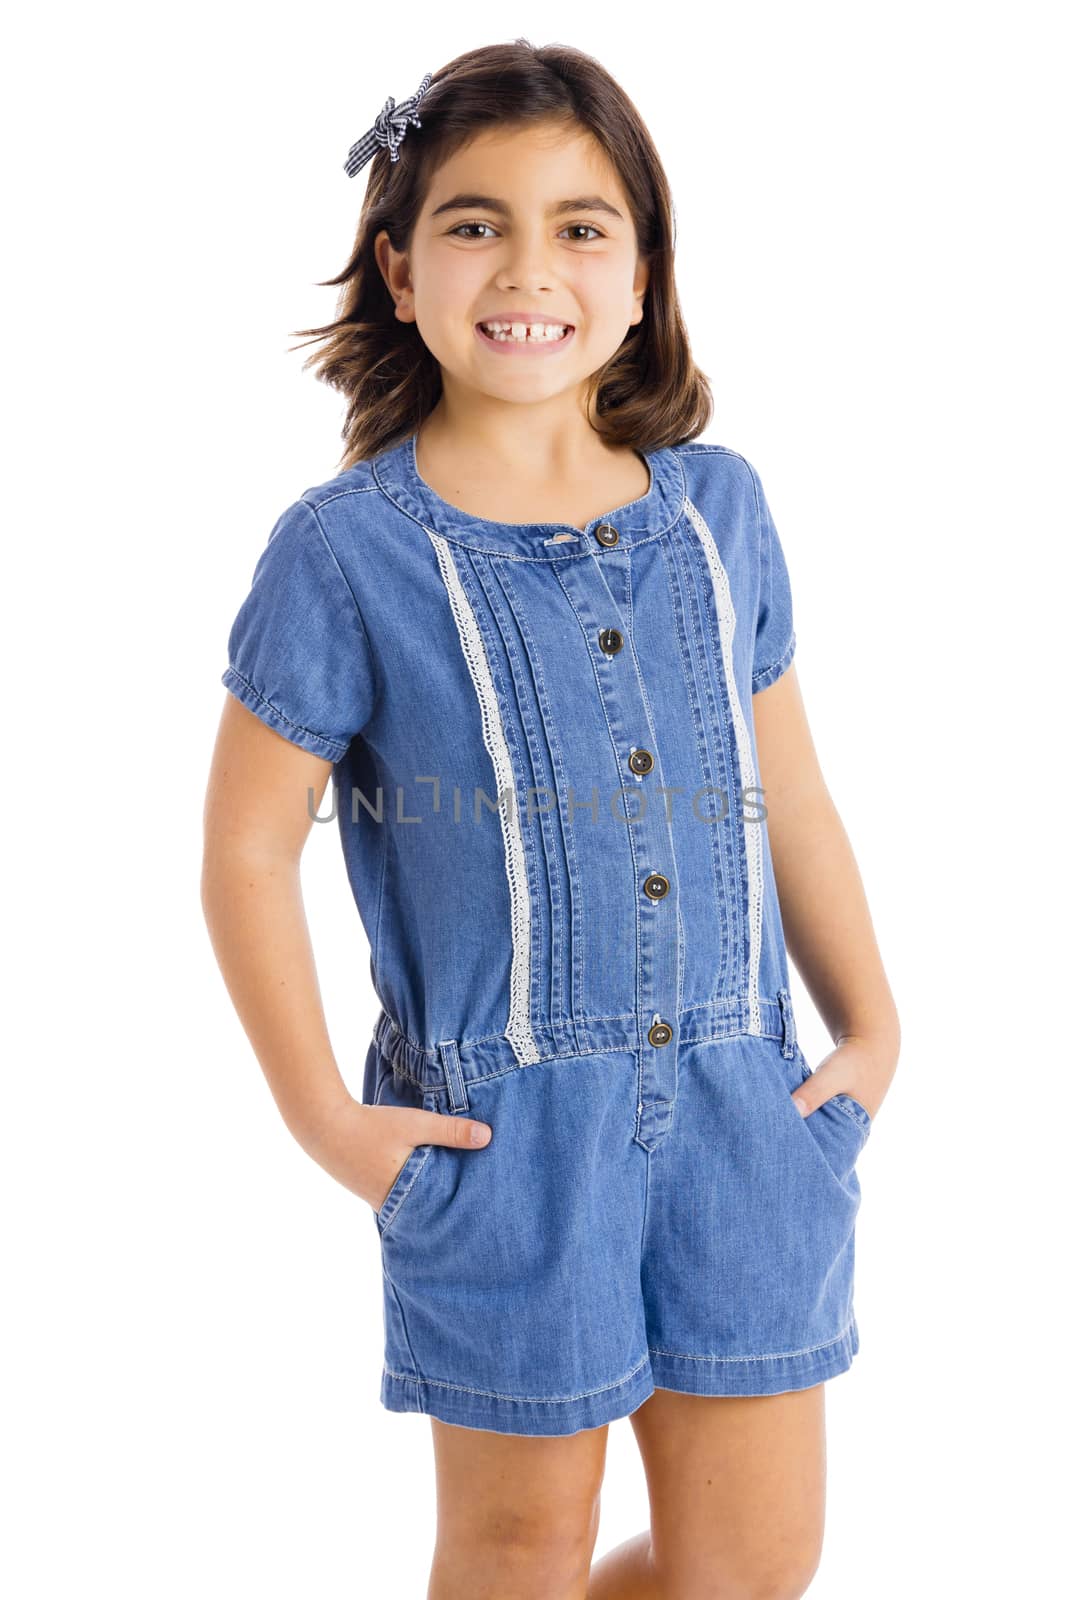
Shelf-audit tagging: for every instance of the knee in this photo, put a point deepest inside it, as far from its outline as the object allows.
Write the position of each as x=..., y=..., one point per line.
x=787, y=1580
x=525, y=1552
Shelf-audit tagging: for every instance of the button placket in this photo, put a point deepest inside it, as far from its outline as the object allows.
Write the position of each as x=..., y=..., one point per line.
x=657, y=921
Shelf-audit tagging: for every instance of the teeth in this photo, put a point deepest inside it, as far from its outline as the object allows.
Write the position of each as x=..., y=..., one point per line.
x=521, y=332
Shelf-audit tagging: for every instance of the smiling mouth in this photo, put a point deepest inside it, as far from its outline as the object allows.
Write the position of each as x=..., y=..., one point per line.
x=526, y=333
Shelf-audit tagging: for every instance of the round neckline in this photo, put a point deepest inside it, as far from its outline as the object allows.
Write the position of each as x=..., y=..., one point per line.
x=568, y=527
x=397, y=474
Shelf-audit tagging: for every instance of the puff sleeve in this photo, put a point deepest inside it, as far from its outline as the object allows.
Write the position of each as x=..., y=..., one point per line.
x=299, y=657
x=776, y=640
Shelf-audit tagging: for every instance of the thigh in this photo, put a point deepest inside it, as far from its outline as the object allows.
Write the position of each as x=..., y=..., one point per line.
x=513, y=1507
x=517, y=1488
x=737, y=1487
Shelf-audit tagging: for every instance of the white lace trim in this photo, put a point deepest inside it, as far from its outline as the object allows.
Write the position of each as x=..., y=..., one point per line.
x=753, y=831
x=518, y=1031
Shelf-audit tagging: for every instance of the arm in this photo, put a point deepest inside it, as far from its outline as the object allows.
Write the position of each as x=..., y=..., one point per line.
x=256, y=821
x=257, y=817
x=825, y=916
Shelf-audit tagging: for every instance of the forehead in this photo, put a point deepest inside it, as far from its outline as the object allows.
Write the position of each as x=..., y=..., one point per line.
x=544, y=164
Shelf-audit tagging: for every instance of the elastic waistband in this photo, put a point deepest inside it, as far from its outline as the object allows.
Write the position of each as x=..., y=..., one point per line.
x=454, y=1062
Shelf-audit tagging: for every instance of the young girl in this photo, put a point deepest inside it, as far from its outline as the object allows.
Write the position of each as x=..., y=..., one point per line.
x=543, y=642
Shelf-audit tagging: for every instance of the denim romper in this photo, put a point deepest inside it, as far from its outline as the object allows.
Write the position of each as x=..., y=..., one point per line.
x=547, y=792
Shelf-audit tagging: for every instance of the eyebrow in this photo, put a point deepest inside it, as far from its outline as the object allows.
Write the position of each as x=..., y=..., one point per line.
x=486, y=202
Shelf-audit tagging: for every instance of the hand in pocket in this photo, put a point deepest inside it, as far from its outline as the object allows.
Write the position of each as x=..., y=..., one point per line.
x=365, y=1146
x=855, y=1069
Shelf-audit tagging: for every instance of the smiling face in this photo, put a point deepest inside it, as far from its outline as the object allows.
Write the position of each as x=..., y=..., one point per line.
x=530, y=224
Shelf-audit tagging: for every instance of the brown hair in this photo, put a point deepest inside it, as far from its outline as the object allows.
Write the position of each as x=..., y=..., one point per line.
x=649, y=394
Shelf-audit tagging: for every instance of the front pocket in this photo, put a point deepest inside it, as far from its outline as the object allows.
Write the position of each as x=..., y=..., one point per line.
x=840, y=1128
x=854, y=1109
x=396, y=1089
x=403, y=1183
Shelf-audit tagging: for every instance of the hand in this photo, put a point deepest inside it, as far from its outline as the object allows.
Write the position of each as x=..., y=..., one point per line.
x=858, y=1067
x=364, y=1147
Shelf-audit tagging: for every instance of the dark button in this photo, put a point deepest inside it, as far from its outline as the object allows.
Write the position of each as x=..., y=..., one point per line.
x=642, y=761
x=656, y=886
x=607, y=534
x=610, y=641
x=660, y=1033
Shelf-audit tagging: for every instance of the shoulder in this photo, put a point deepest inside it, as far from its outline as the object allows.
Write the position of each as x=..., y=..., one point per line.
x=336, y=515
x=347, y=494
x=721, y=473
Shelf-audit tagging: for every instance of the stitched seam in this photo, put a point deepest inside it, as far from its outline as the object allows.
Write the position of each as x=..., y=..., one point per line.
x=695, y=655
x=400, y=1317
x=639, y=831
x=559, y=554
x=518, y=1031
x=631, y=831
x=563, y=555
x=522, y=1399
x=581, y=1055
x=289, y=723
x=780, y=1355
x=847, y=1109
x=375, y=678
x=753, y=835
x=414, y=1178
x=708, y=684
x=368, y=488
x=572, y=1055
x=762, y=672
x=841, y=1181
x=767, y=675
x=542, y=752
x=513, y=731
x=598, y=1016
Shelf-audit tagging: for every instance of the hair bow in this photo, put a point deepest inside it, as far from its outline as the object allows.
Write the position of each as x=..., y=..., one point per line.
x=390, y=126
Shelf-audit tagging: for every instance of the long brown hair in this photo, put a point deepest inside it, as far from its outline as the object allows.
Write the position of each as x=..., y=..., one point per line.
x=649, y=394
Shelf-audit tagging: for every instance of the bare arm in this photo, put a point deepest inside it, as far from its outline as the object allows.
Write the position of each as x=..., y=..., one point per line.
x=257, y=818
x=256, y=822
x=825, y=915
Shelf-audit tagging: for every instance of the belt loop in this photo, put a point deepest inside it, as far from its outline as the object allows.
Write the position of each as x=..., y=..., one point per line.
x=457, y=1089
x=789, y=1027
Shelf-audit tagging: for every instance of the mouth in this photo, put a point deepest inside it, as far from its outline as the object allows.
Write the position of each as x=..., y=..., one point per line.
x=525, y=338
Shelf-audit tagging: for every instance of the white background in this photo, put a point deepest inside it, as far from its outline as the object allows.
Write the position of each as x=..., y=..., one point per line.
x=869, y=264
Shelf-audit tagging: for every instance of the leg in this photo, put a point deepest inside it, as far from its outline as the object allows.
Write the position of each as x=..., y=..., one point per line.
x=737, y=1497
x=517, y=1517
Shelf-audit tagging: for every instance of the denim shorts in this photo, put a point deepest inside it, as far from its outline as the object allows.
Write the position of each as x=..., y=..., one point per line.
x=549, y=1281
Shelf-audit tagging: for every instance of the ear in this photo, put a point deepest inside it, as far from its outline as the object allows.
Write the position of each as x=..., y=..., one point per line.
x=641, y=276
x=395, y=269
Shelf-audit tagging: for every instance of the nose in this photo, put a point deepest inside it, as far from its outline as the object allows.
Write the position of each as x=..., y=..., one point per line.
x=525, y=267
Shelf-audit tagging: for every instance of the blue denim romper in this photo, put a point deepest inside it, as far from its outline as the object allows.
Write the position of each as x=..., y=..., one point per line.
x=548, y=798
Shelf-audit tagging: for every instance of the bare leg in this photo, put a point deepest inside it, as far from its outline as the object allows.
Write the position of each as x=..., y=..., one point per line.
x=517, y=1517
x=626, y=1573
x=737, y=1490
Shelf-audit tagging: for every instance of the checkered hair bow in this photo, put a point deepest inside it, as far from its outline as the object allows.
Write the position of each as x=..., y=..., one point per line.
x=390, y=126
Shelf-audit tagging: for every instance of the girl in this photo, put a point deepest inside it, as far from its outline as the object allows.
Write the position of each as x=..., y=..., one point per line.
x=543, y=642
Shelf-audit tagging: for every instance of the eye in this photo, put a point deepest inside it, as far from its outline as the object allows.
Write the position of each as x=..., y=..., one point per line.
x=589, y=226
x=460, y=225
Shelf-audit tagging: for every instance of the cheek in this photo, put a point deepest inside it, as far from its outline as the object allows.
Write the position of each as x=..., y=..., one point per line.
x=606, y=287
x=453, y=280
x=441, y=324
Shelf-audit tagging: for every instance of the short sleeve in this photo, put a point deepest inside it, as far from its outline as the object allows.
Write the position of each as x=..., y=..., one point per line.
x=298, y=653
x=776, y=640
